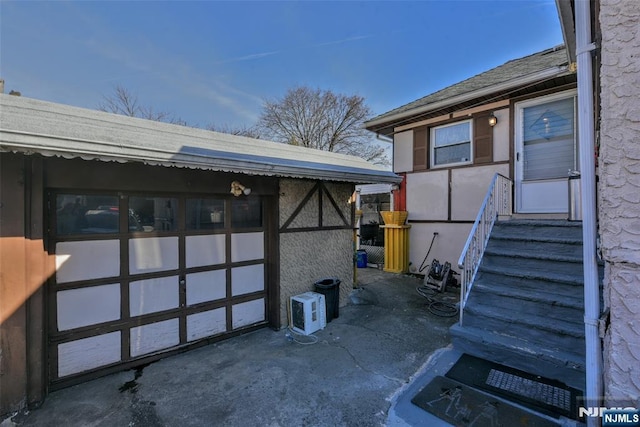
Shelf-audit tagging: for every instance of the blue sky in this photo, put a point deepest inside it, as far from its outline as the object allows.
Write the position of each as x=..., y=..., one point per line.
x=214, y=62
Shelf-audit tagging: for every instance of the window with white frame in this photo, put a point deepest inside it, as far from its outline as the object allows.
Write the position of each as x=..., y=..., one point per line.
x=451, y=144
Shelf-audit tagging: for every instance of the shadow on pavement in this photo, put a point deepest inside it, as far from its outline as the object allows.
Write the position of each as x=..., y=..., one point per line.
x=351, y=376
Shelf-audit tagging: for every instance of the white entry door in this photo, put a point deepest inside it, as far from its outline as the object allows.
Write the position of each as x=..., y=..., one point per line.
x=546, y=150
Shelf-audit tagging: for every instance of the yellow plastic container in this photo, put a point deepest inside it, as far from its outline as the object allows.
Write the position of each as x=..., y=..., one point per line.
x=394, y=217
x=396, y=248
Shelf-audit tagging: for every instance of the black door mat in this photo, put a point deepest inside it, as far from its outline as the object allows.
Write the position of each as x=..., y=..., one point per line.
x=463, y=406
x=544, y=395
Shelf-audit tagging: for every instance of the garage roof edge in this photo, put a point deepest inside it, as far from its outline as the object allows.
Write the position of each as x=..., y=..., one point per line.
x=32, y=126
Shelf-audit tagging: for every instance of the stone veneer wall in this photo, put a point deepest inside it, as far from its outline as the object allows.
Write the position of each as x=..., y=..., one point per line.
x=619, y=195
x=308, y=256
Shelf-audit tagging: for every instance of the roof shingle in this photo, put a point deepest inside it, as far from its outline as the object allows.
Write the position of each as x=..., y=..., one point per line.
x=548, y=59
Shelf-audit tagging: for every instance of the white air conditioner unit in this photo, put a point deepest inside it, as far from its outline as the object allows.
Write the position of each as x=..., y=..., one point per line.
x=308, y=312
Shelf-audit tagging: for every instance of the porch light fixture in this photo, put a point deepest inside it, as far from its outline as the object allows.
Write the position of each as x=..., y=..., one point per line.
x=493, y=120
x=238, y=189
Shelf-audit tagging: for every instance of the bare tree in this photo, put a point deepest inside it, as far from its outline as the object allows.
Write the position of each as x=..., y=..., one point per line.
x=126, y=103
x=323, y=120
x=123, y=102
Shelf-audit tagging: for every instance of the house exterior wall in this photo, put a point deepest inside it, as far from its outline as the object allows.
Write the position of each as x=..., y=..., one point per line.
x=427, y=195
x=619, y=195
x=469, y=187
x=446, y=245
x=309, y=253
x=431, y=210
x=446, y=200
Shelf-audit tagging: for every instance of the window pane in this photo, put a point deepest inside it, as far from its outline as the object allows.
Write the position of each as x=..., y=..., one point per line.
x=549, y=140
x=205, y=214
x=549, y=121
x=452, y=134
x=452, y=154
x=152, y=214
x=86, y=214
x=246, y=212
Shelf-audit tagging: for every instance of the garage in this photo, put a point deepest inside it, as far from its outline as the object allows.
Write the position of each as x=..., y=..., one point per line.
x=124, y=241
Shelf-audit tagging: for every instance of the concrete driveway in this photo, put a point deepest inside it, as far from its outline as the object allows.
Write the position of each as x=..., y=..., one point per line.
x=362, y=361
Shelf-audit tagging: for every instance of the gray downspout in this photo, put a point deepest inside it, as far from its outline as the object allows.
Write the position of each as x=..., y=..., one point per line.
x=587, y=169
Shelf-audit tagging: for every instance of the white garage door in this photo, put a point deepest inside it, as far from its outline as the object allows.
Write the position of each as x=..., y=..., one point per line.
x=173, y=270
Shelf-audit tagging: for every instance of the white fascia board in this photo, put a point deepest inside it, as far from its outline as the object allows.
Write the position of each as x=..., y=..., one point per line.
x=190, y=157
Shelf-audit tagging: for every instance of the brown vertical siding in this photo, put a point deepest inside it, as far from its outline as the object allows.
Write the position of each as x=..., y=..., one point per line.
x=420, y=149
x=272, y=262
x=40, y=266
x=13, y=284
x=482, y=139
x=25, y=267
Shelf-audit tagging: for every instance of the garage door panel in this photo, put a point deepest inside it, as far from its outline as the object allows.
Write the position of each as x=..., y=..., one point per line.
x=77, y=260
x=154, y=337
x=205, y=250
x=88, y=353
x=247, y=279
x=247, y=246
x=152, y=254
x=248, y=313
x=206, y=286
x=206, y=324
x=153, y=295
x=88, y=306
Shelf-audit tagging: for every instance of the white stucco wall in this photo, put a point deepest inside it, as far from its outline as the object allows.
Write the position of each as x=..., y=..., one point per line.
x=427, y=197
x=619, y=195
x=446, y=247
x=469, y=187
x=501, y=142
x=403, y=151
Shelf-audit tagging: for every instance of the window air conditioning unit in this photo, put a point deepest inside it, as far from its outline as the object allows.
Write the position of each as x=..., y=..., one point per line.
x=308, y=312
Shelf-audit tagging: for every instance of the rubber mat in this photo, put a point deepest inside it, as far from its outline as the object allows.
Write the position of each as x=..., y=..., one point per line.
x=541, y=394
x=463, y=406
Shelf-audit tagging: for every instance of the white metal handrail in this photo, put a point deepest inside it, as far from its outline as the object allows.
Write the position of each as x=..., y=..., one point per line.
x=498, y=201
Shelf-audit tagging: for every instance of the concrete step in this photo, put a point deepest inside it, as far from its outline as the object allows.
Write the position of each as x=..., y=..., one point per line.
x=547, y=332
x=543, y=250
x=529, y=302
x=544, y=267
x=565, y=366
x=570, y=293
x=550, y=230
